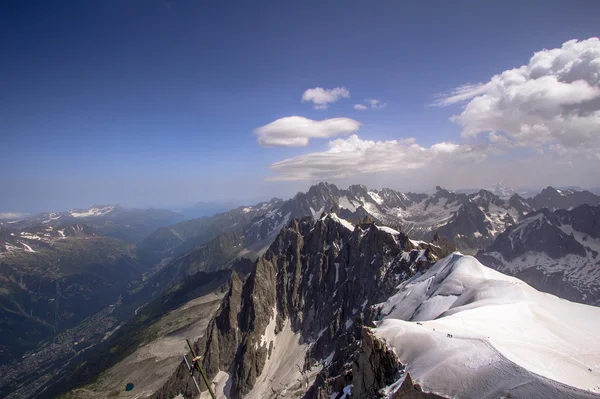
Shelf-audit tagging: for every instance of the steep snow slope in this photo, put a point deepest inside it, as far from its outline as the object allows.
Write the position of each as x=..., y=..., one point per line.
x=467, y=331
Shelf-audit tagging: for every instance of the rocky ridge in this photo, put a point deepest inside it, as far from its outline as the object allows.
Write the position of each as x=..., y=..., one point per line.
x=556, y=252
x=288, y=328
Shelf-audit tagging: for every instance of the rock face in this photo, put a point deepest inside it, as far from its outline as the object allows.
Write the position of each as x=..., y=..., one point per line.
x=289, y=328
x=555, y=252
x=409, y=390
x=374, y=367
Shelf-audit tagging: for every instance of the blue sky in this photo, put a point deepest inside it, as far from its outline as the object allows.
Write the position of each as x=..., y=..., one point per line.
x=154, y=103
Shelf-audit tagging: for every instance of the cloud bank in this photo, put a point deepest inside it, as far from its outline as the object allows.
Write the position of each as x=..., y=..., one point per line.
x=550, y=104
x=12, y=215
x=539, y=122
x=352, y=156
x=321, y=98
x=296, y=131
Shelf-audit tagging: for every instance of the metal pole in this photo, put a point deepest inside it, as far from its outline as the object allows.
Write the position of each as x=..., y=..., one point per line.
x=199, y=367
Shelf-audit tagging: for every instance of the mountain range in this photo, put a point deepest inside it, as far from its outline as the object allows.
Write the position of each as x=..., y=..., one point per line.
x=130, y=225
x=297, y=326
x=318, y=264
x=556, y=252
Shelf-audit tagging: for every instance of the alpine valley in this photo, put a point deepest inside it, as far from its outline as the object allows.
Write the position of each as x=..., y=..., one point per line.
x=332, y=294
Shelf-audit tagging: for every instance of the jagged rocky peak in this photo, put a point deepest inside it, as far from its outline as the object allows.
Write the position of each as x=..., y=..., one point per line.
x=359, y=190
x=484, y=198
x=296, y=317
x=519, y=203
x=443, y=194
x=553, y=198
x=323, y=190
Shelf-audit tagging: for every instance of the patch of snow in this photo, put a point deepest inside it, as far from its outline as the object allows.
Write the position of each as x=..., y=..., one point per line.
x=329, y=359
x=376, y=197
x=27, y=247
x=337, y=272
x=30, y=236
x=347, y=391
x=269, y=334
x=345, y=203
x=316, y=214
x=388, y=230
x=343, y=222
x=222, y=384
x=94, y=211
x=281, y=374
x=246, y=210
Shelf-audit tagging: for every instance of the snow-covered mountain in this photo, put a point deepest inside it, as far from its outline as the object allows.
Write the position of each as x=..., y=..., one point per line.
x=470, y=220
x=463, y=330
x=556, y=252
x=298, y=325
x=502, y=190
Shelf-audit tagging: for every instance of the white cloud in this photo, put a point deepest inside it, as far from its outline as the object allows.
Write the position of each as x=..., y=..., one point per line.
x=321, y=98
x=552, y=103
x=406, y=165
x=296, y=131
x=375, y=104
x=352, y=156
x=537, y=124
x=360, y=107
x=12, y=215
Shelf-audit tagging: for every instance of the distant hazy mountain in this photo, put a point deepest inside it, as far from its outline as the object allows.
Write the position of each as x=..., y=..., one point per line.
x=502, y=190
x=181, y=238
x=131, y=225
x=595, y=190
x=202, y=209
